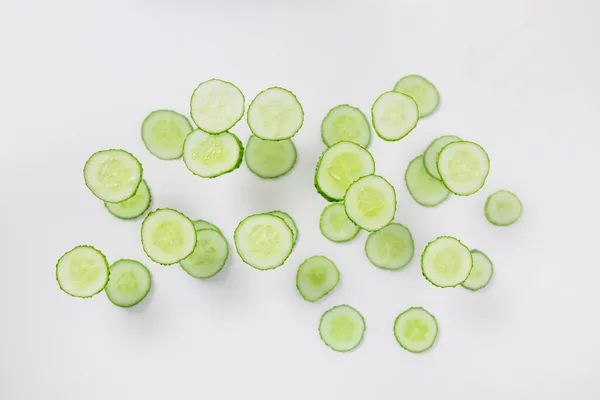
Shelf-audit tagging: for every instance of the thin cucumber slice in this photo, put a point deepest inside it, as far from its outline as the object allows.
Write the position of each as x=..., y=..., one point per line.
x=275, y=114
x=425, y=189
x=340, y=166
x=270, y=159
x=216, y=106
x=168, y=236
x=503, y=208
x=317, y=276
x=342, y=328
x=263, y=241
x=394, y=115
x=424, y=92
x=129, y=283
x=82, y=272
x=433, y=150
x=209, y=256
x=289, y=221
x=446, y=262
x=463, y=167
x=391, y=247
x=163, y=133
x=371, y=203
x=345, y=123
x=134, y=206
x=416, y=330
x=210, y=156
x=202, y=225
x=335, y=224
x=112, y=175
x=481, y=273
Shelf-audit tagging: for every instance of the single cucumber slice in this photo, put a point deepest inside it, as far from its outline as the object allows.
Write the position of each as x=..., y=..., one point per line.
x=503, y=208
x=340, y=166
x=463, y=167
x=425, y=189
x=342, y=328
x=394, y=115
x=289, y=221
x=202, y=225
x=391, y=247
x=446, y=262
x=317, y=276
x=270, y=159
x=210, y=156
x=481, y=273
x=129, y=283
x=415, y=330
x=345, y=123
x=433, y=150
x=168, y=236
x=216, y=106
x=275, y=114
x=112, y=175
x=263, y=241
x=209, y=256
x=134, y=206
x=163, y=133
x=371, y=203
x=425, y=94
x=82, y=272
x=335, y=224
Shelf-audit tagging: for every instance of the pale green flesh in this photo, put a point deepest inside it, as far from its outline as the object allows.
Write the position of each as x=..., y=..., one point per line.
x=463, y=167
x=216, y=106
x=202, y=224
x=112, y=175
x=168, y=236
x=424, y=189
x=446, y=262
x=270, y=159
x=209, y=256
x=391, y=247
x=422, y=91
x=394, y=115
x=132, y=207
x=335, y=224
x=342, y=328
x=317, y=276
x=163, y=133
x=370, y=203
x=129, y=283
x=415, y=330
x=433, y=150
x=481, y=273
x=275, y=114
x=82, y=272
x=345, y=123
x=209, y=155
x=289, y=221
x=503, y=208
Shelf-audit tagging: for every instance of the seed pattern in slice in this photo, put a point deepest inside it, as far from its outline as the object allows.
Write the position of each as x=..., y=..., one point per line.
x=503, y=208
x=317, y=276
x=129, y=283
x=163, y=133
x=216, y=106
x=346, y=123
x=394, y=115
x=370, y=203
x=416, y=330
x=391, y=247
x=275, y=114
x=113, y=175
x=82, y=271
x=168, y=236
x=446, y=262
x=342, y=328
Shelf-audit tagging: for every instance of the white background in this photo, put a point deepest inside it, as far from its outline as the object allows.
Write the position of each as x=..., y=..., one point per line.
x=519, y=77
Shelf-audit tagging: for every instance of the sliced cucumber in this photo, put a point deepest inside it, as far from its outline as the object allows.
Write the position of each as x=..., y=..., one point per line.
x=433, y=150
x=210, y=156
x=317, y=276
x=168, y=236
x=270, y=159
x=481, y=273
x=209, y=256
x=391, y=247
x=134, y=206
x=424, y=92
x=503, y=208
x=425, y=189
x=345, y=123
x=129, y=283
x=340, y=166
x=82, y=272
x=201, y=225
x=394, y=115
x=416, y=330
x=289, y=221
x=370, y=202
x=163, y=133
x=216, y=106
x=112, y=175
x=463, y=167
x=335, y=224
x=275, y=114
x=342, y=328
x=446, y=262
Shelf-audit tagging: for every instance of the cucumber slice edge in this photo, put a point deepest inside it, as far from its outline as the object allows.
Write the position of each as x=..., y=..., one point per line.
x=70, y=251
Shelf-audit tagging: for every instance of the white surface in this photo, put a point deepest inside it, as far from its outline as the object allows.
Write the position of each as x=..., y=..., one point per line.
x=519, y=77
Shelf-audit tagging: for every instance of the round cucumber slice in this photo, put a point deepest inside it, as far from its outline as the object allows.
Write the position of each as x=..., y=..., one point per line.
x=275, y=114
x=163, y=133
x=129, y=283
x=112, y=175
x=270, y=159
x=391, y=247
x=168, y=236
x=342, y=328
x=289, y=221
x=201, y=224
x=134, y=206
x=371, y=203
x=415, y=330
x=503, y=208
x=209, y=156
x=82, y=272
x=433, y=150
x=446, y=262
x=335, y=224
x=463, y=167
x=425, y=189
x=209, y=256
x=317, y=276
x=394, y=115
x=216, y=106
x=424, y=92
x=345, y=123
x=481, y=273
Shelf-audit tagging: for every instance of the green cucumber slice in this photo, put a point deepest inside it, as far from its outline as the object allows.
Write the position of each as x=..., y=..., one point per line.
x=201, y=224
x=216, y=106
x=209, y=256
x=463, y=167
x=129, y=283
x=270, y=159
x=168, y=236
x=446, y=262
x=163, y=133
x=112, y=175
x=433, y=150
x=209, y=156
x=503, y=208
x=342, y=328
x=370, y=203
x=415, y=330
x=391, y=247
x=289, y=221
x=425, y=189
x=481, y=273
x=424, y=92
x=82, y=272
x=345, y=123
x=335, y=224
x=394, y=115
x=275, y=114
x=134, y=206
x=317, y=276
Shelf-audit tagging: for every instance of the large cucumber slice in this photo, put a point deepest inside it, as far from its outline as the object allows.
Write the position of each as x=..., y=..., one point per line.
x=425, y=189
x=370, y=203
x=168, y=236
x=503, y=208
x=394, y=115
x=129, y=283
x=134, y=206
x=209, y=256
x=433, y=150
x=346, y=123
x=270, y=159
x=210, y=156
x=481, y=273
x=424, y=92
x=415, y=330
x=163, y=133
x=391, y=247
x=463, y=167
x=112, y=175
x=446, y=262
x=342, y=328
x=216, y=106
x=275, y=114
x=317, y=276
x=335, y=224
x=82, y=271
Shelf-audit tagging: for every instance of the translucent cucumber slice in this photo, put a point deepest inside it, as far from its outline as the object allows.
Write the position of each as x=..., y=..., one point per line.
x=342, y=328
x=481, y=273
x=134, y=206
x=463, y=167
x=391, y=247
x=425, y=189
x=270, y=159
x=503, y=208
x=394, y=115
x=346, y=123
x=112, y=175
x=415, y=330
x=275, y=114
x=209, y=256
x=446, y=262
x=433, y=150
x=216, y=106
x=317, y=276
x=202, y=224
x=129, y=283
x=168, y=236
x=424, y=92
x=163, y=133
x=335, y=224
x=371, y=203
x=289, y=221
x=210, y=156
x=82, y=272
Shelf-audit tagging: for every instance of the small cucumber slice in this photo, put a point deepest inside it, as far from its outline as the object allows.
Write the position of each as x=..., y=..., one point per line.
x=342, y=328
x=503, y=208
x=270, y=159
x=129, y=283
x=216, y=106
x=463, y=167
x=209, y=256
x=335, y=224
x=415, y=330
x=394, y=115
x=424, y=92
x=317, y=276
x=345, y=123
x=446, y=262
x=134, y=206
x=163, y=133
x=481, y=273
x=370, y=203
x=209, y=156
x=391, y=247
x=433, y=150
x=168, y=236
x=275, y=114
x=202, y=225
x=289, y=221
x=425, y=189
x=112, y=175
x=82, y=272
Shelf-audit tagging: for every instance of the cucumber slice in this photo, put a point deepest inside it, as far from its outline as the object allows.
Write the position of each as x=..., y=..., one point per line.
x=446, y=262
x=129, y=283
x=416, y=330
x=317, y=276
x=289, y=221
x=425, y=189
x=433, y=150
x=216, y=106
x=209, y=256
x=503, y=208
x=134, y=206
x=112, y=175
x=275, y=114
x=263, y=241
x=82, y=271
x=210, y=156
x=200, y=225
x=463, y=167
x=340, y=166
x=391, y=247
x=481, y=273
x=342, y=328
x=168, y=236
x=424, y=92
x=371, y=203
x=394, y=115
x=163, y=133
x=270, y=159
x=345, y=123
x=335, y=224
